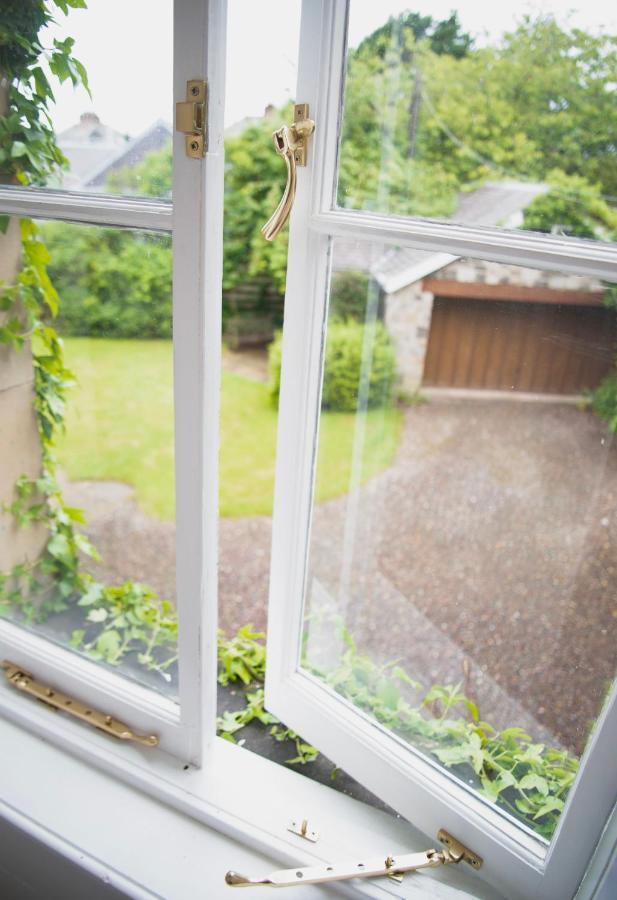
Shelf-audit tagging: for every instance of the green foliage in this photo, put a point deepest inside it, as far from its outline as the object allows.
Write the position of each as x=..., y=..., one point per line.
x=28, y=150
x=530, y=780
x=604, y=401
x=113, y=283
x=527, y=779
x=427, y=115
x=423, y=122
x=344, y=380
x=443, y=36
x=348, y=295
x=242, y=662
x=243, y=658
x=116, y=620
x=572, y=206
x=124, y=619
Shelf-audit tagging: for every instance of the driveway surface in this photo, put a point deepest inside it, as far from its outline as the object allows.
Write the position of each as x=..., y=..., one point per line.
x=485, y=554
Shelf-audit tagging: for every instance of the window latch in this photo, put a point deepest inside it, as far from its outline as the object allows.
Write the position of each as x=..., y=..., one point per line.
x=290, y=142
x=391, y=866
x=191, y=115
x=24, y=682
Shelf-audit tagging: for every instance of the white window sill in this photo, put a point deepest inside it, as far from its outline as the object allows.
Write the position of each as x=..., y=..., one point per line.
x=137, y=820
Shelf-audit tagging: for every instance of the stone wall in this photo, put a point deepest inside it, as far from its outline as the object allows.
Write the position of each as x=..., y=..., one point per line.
x=20, y=450
x=408, y=311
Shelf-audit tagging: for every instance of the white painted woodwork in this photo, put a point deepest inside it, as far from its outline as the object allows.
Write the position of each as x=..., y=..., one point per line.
x=516, y=861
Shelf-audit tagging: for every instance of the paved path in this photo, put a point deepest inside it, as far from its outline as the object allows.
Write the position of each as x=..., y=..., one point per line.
x=489, y=556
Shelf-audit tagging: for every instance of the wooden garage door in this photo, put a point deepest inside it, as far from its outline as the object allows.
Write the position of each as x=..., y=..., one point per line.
x=504, y=345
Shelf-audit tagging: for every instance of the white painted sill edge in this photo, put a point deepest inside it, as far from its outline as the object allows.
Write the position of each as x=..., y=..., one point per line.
x=57, y=779
x=245, y=798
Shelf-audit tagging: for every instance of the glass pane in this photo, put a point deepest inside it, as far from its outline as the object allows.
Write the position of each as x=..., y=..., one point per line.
x=117, y=140
x=87, y=552
x=494, y=117
x=461, y=588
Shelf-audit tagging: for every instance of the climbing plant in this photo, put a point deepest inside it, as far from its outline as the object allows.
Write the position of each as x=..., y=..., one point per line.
x=525, y=778
x=116, y=620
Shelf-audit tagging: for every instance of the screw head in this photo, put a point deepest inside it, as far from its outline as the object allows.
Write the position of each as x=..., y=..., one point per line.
x=194, y=90
x=194, y=146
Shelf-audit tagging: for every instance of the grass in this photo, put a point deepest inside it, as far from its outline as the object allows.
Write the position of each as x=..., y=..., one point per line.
x=120, y=428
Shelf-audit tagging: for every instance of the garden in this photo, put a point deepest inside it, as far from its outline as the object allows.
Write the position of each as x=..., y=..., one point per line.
x=94, y=307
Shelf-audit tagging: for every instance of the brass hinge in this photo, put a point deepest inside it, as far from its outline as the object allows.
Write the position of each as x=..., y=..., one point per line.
x=192, y=117
x=453, y=852
x=23, y=681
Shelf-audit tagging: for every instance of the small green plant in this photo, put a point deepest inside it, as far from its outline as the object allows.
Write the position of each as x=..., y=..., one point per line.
x=344, y=378
x=242, y=661
x=527, y=779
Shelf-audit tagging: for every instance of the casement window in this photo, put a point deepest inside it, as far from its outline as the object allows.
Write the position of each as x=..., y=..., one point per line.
x=343, y=586
x=191, y=223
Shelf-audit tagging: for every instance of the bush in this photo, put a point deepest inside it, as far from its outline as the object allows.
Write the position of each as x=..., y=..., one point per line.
x=343, y=360
x=348, y=294
x=604, y=401
x=112, y=283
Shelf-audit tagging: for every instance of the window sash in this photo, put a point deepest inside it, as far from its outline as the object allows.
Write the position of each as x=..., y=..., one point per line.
x=195, y=222
x=517, y=861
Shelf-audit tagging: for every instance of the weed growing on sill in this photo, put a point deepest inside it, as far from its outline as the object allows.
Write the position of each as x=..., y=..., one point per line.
x=506, y=767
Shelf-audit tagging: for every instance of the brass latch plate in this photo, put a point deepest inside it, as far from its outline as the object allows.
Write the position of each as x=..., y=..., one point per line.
x=23, y=681
x=191, y=117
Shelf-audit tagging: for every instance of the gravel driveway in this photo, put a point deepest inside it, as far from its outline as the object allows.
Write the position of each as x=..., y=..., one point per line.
x=488, y=555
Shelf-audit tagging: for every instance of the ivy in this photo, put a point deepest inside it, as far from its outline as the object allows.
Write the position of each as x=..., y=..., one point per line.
x=116, y=620
x=527, y=779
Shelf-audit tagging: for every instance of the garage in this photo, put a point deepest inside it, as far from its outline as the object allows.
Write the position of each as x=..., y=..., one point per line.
x=504, y=337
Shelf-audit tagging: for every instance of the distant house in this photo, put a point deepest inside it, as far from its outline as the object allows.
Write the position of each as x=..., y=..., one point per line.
x=478, y=325
x=94, y=150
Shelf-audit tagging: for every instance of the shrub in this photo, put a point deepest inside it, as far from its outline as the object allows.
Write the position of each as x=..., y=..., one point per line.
x=348, y=293
x=113, y=283
x=344, y=347
x=604, y=401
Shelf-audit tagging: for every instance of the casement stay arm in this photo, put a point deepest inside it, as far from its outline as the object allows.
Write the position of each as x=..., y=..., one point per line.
x=453, y=852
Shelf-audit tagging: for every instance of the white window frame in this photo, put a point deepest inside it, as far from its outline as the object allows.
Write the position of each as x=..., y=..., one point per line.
x=516, y=860
x=193, y=219
x=237, y=793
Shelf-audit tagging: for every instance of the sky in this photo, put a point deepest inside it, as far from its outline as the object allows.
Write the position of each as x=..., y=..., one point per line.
x=130, y=64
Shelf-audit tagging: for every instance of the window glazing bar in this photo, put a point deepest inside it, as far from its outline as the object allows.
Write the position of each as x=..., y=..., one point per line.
x=521, y=248
x=96, y=209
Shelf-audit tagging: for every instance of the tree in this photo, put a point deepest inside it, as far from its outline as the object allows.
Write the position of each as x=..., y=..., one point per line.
x=428, y=115
x=572, y=206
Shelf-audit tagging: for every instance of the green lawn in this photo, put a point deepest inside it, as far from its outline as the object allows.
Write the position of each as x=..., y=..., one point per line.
x=120, y=428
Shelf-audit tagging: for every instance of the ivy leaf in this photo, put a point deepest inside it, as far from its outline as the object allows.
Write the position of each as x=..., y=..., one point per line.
x=60, y=549
x=534, y=782
x=97, y=615
x=388, y=693
x=92, y=595
x=77, y=637
x=552, y=805
x=108, y=645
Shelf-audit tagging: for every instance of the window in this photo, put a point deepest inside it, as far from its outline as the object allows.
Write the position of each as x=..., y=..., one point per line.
x=100, y=225
x=416, y=509
x=423, y=625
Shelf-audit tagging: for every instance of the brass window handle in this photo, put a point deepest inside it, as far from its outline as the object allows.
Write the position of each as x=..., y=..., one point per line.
x=290, y=143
